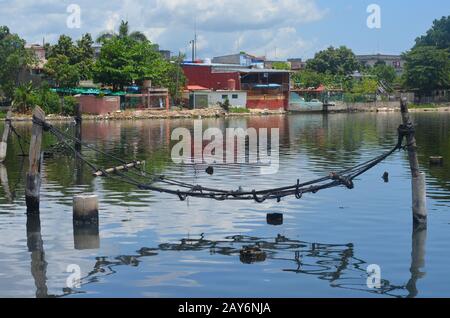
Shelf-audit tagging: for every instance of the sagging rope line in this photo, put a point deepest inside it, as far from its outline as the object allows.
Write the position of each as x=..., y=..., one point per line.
x=343, y=178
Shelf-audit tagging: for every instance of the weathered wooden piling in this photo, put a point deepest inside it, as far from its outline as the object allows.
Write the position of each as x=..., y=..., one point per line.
x=85, y=209
x=420, y=213
x=33, y=184
x=4, y=142
x=85, y=222
x=78, y=123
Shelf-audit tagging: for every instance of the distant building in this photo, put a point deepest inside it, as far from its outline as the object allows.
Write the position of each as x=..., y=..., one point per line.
x=39, y=53
x=34, y=73
x=242, y=59
x=297, y=64
x=265, y=88
x=165, y=54
x=395, y=61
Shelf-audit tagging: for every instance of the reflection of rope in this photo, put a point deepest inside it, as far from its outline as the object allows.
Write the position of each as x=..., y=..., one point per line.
x=342, y=178
x=329, y=262
x=19, y=137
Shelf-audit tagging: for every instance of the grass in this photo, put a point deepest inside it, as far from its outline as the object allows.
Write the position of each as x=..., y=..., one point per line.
x=236, y=110
x=422, y=106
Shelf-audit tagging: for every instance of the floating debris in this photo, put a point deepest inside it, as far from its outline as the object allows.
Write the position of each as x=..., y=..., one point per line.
x=275, y=219
x=210, y=171
x=252, y=254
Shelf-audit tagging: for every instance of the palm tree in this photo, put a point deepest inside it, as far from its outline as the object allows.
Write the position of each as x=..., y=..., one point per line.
x=23, y=98
x=124, y=32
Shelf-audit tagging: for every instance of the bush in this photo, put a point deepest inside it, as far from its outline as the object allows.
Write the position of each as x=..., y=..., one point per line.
x=69, y=106
x=49, y=101
x=237, y=110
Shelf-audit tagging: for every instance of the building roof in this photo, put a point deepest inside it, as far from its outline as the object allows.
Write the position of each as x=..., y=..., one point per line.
x=197, y=88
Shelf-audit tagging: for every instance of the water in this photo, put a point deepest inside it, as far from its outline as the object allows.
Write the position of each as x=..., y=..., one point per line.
x=153, y=245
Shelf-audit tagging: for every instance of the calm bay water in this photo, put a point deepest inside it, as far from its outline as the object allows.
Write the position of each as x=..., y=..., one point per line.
x=153, y=245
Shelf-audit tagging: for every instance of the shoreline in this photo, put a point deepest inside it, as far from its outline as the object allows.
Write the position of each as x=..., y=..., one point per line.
x=213, y=113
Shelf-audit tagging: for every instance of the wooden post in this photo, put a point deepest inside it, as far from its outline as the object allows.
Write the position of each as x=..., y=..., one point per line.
x=32, y=190
x=78, y=121
x=4, y=142
x=420, y=213
x=85, y=209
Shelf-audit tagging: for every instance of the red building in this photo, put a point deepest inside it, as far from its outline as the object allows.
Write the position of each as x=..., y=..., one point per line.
x=266, y=88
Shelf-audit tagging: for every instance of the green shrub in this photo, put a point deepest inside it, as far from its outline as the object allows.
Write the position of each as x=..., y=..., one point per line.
x=69, y=106
x=237, y=110
x=49, y=101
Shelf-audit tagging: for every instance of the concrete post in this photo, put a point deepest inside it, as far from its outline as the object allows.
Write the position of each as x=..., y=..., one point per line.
x=85, y=222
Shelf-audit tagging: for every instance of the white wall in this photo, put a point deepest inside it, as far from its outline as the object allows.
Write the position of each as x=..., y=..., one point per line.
x=217, y=97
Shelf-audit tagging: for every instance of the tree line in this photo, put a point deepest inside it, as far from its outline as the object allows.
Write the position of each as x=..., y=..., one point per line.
x=427, y=66
x=126, y=58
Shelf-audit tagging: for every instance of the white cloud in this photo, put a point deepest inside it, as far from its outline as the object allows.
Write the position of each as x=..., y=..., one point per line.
x=223, y=25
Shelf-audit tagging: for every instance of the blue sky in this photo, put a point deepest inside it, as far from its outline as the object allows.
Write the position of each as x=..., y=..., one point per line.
x=275, y=28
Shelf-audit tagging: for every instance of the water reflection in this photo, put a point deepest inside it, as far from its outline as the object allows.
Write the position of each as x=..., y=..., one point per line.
x=334, y=263
x=36, y=248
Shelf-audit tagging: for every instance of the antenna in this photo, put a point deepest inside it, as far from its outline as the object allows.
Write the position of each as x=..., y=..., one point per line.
x=195, y=39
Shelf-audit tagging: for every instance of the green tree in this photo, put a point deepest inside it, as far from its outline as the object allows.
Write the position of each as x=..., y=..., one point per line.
x=63, y=73
x=438, y=35
x=308, y=78
x=124, y=32
x=77, y=59
x=281, y=66
x=365, y=86
x=335, y=61
x=114, y=65
x=13, y=58
x=383, y=72
x=427, y=68
x=24, y=98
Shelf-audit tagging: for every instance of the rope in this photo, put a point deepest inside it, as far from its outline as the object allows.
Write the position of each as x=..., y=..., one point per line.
x=185, y=190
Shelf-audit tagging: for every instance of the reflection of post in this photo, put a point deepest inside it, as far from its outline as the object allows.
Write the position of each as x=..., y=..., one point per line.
x=419, y=240
x=418, y=178
x=36, y=247
x=85, y=222
x=5, y=183
x=4, y=141
x=78, y=148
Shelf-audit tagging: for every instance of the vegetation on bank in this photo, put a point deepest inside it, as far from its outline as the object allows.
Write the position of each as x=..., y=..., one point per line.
x=128, y=58
x=427, y=67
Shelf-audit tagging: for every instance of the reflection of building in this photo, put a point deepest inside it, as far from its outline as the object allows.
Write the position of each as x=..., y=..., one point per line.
x=265, y=88
x=395, y=61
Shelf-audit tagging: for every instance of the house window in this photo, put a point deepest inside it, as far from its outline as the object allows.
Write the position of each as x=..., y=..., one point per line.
x=235, y=96
x=224, y=96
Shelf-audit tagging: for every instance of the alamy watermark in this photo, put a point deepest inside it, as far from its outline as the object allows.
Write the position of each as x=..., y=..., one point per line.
x=238, y=146
x=374, y=279
x=374, y=19
x=74, y=279
x=73, y=21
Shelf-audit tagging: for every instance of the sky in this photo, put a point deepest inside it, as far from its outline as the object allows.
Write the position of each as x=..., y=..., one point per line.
x=277, y=29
